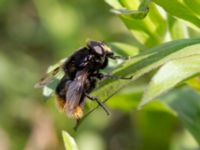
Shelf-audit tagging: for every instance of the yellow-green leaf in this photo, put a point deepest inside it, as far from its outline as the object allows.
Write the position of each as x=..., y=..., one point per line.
x=170, y=74
x=69, y=141
x=186, y=103
x=180, y=10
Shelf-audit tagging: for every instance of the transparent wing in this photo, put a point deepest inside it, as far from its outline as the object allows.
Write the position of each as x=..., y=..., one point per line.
x=53, y=72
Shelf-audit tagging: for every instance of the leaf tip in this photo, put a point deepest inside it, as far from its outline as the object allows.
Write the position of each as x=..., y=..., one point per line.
x=69, y=141
x=145, y=100
x=139, y=107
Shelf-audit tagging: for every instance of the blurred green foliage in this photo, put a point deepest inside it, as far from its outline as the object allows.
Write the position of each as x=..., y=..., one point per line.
x=35, y=34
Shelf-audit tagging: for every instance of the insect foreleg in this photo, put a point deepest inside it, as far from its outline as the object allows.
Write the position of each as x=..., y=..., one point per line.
x=118, y=57
x=99, y=102
x=101, y=76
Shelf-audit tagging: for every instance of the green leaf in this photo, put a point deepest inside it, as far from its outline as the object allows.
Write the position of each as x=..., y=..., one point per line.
x=69, y=141
x=144, y=63
x=194, y=6
x=194, y=83
x=149, y=29
x=124, y=49
x=125, y=101
x=170, y=74
x=114, y=3
x=186, y=103
x=142, y=11
x=129, y=101
x=136, y=14
x=178, y=9
x=177, y=29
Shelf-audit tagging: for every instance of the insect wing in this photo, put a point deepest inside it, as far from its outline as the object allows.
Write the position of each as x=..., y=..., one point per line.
x=76, y=90
x=54, y=72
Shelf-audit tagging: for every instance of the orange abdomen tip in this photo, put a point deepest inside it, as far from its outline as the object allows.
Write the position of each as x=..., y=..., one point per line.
x=78, y=113
x=75, y=113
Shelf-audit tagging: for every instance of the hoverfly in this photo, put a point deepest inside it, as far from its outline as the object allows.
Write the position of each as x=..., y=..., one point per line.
x=81, y=72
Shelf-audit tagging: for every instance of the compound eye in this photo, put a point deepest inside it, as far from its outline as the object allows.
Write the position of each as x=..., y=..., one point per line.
x=98, y=50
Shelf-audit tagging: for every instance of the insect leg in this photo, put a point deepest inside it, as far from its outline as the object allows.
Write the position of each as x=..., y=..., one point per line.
x=118, y=57
x=99, y=102
x=100, y=76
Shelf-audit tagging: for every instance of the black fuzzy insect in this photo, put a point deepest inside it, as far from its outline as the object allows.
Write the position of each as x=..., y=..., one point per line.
x=81, y=72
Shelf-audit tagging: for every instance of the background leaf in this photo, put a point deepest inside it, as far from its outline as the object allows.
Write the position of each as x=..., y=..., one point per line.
x=69, y=141
x=177, y=29
x=194, y=83
x=194, y=6
x=178, y=9
x=149, y=30
x=187, y=105
x=124, y=49
x=170, y=74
